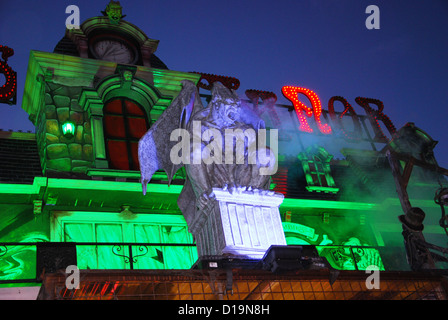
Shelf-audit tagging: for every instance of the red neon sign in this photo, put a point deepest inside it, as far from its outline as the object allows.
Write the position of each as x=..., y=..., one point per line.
x=374, y=115
x=292, y=93
x=8, y=90
x=351, y=135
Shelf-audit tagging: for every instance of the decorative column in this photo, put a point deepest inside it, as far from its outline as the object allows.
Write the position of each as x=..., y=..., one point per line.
x=241, y=225
x=93, y=104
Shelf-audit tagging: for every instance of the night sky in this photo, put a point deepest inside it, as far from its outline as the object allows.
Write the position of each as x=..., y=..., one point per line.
x=322, y=45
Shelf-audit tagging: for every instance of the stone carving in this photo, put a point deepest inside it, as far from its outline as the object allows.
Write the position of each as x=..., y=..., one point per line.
x=229, y=82
x=225, y=114
x=221, y=150
x=155, y=146
x=114, y=12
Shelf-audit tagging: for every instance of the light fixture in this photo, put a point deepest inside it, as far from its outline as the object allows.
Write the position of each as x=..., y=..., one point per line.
x=279, y=259
x=68, y=129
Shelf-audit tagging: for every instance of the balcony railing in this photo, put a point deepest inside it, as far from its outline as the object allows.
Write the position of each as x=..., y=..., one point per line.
x=25, y=262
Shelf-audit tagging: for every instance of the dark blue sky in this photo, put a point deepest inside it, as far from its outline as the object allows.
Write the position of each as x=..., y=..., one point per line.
x=322, y=45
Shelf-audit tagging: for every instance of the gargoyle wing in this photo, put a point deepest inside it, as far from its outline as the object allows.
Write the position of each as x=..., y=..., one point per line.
x=249, y=116
x=155, y=146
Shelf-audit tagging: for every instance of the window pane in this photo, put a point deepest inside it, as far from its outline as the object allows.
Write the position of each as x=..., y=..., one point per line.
x=119, y=134
x=177, y=257
x=137, y=127
x=133, y=109
x=323, y=180
x=118, y=154
x=108, y=256
x=114, y=126
x=134, y=152
x=151, y=257
x=312, y=166
x=82, y=232
x=320, y=167
x=113, y=106
x=315, y=180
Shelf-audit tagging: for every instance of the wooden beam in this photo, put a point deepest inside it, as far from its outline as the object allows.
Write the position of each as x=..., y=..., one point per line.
x=400, y=185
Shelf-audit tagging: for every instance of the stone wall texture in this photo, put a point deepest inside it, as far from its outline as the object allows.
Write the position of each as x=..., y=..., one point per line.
x=57, y=152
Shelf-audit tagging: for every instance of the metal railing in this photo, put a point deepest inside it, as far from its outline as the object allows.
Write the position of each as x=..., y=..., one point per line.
x=47, y=256
x=43, y=257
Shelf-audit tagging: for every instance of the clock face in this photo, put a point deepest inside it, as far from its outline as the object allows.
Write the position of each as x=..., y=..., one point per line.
x=114, y=51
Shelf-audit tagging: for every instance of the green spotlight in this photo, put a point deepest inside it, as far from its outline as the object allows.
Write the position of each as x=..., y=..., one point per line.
x=68, y=129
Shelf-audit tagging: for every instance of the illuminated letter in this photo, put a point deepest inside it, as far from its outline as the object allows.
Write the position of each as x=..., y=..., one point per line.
x=375, y=115
x=352, y=135
x=9, y=89
x=373, y=21
x=74, y=17
x=291, y=93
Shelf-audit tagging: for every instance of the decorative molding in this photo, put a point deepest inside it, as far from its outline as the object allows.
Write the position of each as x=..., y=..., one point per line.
x=244, y=224
x=229, y=82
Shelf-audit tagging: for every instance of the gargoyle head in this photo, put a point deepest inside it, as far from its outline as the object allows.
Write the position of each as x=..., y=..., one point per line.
x=114, y=12
x=225, y=105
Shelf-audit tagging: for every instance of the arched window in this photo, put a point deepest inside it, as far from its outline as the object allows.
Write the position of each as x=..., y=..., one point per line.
x=316, y=166
x=317, y=171
x=125, y=122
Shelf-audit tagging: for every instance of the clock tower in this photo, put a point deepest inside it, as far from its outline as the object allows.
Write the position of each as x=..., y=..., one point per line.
x=110, y=38
x=96, y=95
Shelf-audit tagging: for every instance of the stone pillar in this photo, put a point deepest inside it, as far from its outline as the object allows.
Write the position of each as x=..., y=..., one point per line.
x=241, y=225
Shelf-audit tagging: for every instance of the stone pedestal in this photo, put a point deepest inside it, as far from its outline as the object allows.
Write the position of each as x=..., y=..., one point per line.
x=241, y=225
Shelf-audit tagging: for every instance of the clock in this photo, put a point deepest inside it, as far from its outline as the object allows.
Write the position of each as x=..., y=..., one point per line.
x=114, y=49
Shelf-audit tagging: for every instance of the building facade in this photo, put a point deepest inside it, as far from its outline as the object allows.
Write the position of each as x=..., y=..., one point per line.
x=70, y=193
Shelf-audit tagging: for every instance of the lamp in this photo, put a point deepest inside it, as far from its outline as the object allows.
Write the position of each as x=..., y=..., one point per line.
x=68, y=129
x=287, y=258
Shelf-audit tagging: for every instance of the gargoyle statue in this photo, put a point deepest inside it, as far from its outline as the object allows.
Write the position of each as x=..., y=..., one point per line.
x=206, y=130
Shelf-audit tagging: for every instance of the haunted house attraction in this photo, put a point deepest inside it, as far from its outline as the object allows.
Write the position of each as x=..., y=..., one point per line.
x=350, y=192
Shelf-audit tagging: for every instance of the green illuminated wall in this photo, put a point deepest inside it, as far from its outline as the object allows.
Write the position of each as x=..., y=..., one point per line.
x=71, y=154
x=126, y=228
x=19, y=224
x=354, y=228
x=92, y=211
x=76, y=89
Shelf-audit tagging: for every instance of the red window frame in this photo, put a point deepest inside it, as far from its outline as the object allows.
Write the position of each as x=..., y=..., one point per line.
x=125, y=122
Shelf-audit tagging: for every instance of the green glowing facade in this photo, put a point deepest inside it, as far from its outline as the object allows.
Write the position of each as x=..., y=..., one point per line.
x=84, y=187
